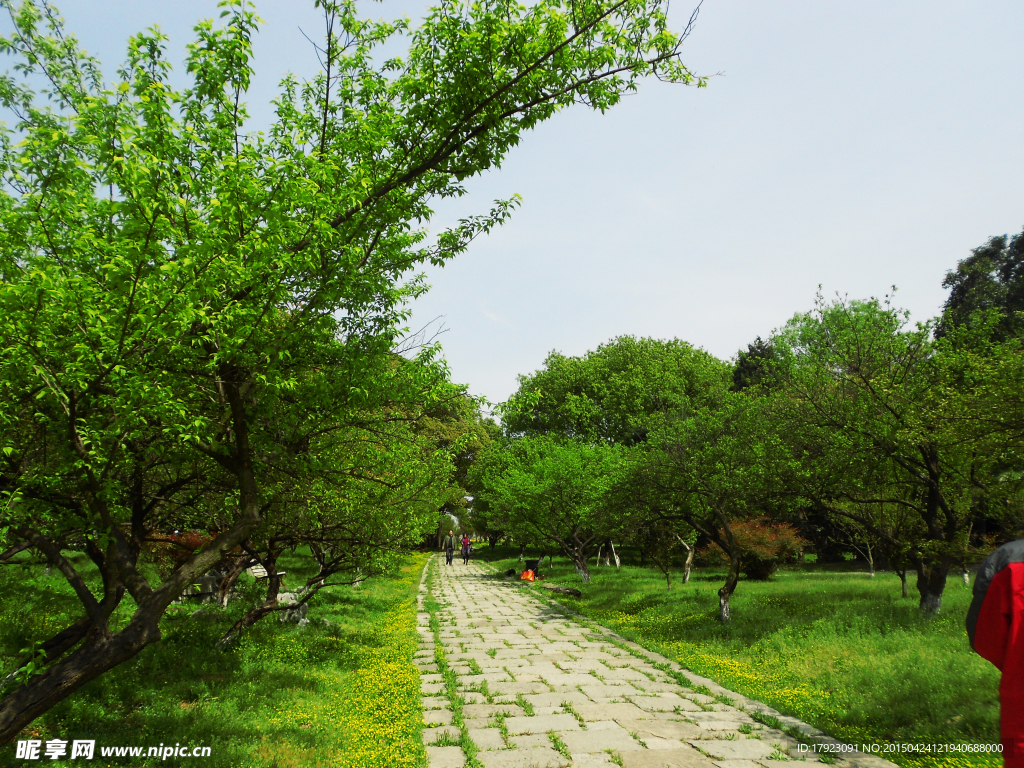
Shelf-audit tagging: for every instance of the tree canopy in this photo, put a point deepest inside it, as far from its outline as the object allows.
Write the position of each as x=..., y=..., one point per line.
x=614, y=393
x=198, y=316
x=990, y=279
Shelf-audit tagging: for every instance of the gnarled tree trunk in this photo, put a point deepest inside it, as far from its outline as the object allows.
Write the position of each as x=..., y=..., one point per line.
x=931, y=581
x=579, y=559
x=688, y=565
x=733, y=577
x=227, y=584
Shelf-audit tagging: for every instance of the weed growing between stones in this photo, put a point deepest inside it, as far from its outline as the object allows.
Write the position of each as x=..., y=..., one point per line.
x=615, y=757
x=469, y=749
x=485, y=691
x=773, y=722
x=499, y=718
x=527, y=706
x=559, y=745
x=568, y=709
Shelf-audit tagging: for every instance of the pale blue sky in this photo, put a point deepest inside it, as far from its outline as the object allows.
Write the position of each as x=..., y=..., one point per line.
x=852, y=145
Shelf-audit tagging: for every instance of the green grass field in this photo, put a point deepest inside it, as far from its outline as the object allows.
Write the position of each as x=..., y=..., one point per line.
x=839, y=650
x=286, y=697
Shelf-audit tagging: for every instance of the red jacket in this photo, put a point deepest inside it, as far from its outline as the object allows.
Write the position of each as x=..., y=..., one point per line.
x=995, y=626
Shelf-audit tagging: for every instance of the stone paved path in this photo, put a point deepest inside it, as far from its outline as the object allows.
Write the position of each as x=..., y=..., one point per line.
x=539, y=689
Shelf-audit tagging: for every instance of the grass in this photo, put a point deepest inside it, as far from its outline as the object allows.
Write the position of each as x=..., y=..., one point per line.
x=343, y=694
x=834, y=648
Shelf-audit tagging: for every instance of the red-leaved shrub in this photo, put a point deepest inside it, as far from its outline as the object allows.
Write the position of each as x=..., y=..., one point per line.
x=763, y=545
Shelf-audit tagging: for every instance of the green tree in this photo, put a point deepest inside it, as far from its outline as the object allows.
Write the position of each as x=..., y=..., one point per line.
x=183, y=303
x=867, y=423
x=754, y=367
x=459, y=427
x=614, y=393
x=550, y=489
x=618, y=394
x=711, y=469
x=990, y=279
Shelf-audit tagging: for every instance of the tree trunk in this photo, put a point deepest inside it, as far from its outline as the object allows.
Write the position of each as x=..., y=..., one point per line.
x=522, y=551
x=615, y=554
x=228, y=582
x=643, y=558
x=966, y=576
x=580, y=561
x=269, y=604
x=690, y=551
x=724, y=611
x=99, y=653
x=55, y=647
x=931, y=581
x=607, y=554
x=903, y=580
x=668, y=579
x=597, y=562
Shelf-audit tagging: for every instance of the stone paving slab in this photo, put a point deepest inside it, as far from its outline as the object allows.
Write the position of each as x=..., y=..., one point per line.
x=489, y=710
x=666, y=758
x=665, y=729
x=533, y=757
x=541, y=724
x=527, y=660
x=487, y=738
x=437, y=717
x=599, y=741
x=445, y=757
x=435, y=702
x=747, y=749
x=433, y=735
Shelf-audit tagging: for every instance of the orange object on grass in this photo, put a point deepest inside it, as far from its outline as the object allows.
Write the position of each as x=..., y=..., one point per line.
x=527, y=576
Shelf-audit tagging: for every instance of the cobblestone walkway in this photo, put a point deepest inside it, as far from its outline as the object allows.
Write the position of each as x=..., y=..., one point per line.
x=538, y=689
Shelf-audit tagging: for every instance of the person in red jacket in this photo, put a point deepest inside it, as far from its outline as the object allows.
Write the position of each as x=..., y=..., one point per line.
x=995, y=626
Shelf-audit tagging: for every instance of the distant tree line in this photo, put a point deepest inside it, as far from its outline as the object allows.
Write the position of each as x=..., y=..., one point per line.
x=848, y=430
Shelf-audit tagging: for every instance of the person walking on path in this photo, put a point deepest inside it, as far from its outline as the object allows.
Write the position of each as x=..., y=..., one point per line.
x=465, y=549
x=995, y=627
x=449, y=548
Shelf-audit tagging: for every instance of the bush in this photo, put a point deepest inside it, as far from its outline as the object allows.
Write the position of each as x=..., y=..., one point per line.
x=763, y=545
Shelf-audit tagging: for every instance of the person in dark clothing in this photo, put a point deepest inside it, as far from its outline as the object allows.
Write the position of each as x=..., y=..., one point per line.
x=449, y=548
x=465, y=549
x=995, y=627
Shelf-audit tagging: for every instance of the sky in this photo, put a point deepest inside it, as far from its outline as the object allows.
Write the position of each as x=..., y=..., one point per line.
x=851, y=146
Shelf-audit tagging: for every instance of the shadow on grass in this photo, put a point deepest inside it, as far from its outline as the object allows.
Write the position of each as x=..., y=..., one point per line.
x=278, y=699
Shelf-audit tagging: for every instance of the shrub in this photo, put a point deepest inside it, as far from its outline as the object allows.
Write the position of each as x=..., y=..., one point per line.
x=763, y=546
